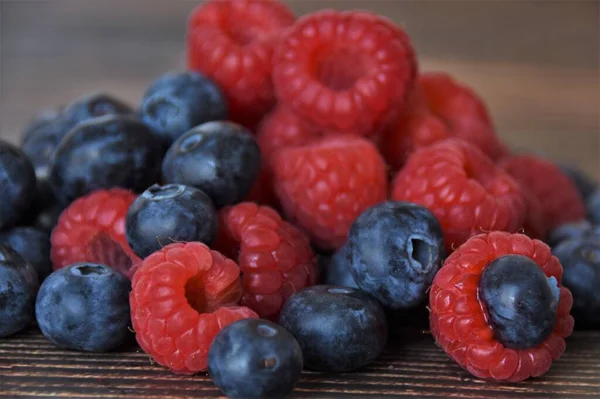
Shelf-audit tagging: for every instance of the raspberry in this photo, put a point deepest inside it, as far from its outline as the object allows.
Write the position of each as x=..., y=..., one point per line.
x=344, y=71
x=181, y=297
x=554, y=191
x=535, y=224
x=461, y=109
x=325, y=185
x=275, y=258
x=461, y=325
x=92, y=229
x=463, y=188
x=232, y=43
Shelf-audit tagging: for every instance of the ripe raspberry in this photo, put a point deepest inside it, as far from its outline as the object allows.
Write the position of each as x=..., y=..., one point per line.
x=463, y=188
x=326, y=185
x=92, y=229
x=181, y=297
x=275, y=258
x=535, y=224
x=461, y=325
x=344, y=71
x=461, y=109
x=232, y=42
x=553, y=189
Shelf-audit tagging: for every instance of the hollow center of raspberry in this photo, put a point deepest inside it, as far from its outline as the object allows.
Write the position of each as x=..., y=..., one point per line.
x=340, y=69
x=194, y=293
x=105, y=251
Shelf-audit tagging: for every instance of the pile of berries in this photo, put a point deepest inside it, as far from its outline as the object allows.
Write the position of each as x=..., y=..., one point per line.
x=294, y=152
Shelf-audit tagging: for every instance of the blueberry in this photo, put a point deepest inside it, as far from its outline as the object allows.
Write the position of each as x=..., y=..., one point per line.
x=593, y=208
x=33, y=245
x=338, y=328
x=336, y=270
x=84, y=307
x=584, y=183
x=580, y=259
x=519, y=300
x=568, y=231
x=106, y=152
x=177, y=102
x=18, y=183
x=93, y=106
x=39, y=122
x=254, y=358
x=220, y=158
x=166, y=214
x=394, y=251
x=18, y=287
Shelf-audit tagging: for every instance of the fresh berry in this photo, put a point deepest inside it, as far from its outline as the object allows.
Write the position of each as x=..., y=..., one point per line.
x=84, y=307
x=335, y=269
x=93, y=106
x=274, y=257
x=585, y=185
x=18, y=183
x=106, y=152
x=220, y=158
x=463, y=188
x=338, y=328
x=325, y=185
x=171, y=213
x=580, y=259
x=257, y=351
x=92, y=229
x=262, y=191
x=232, y=43
x=177, y=102
x=345, y=71
x=417, y=128
x=182, y=296
x=18, y=288
x=554, y=190
x=571, y=230
x=593, y=207
x=33, y=245
x=535, y=224
x=463, y=112
x=479, y=341
x=39, y=122
x=394, y=250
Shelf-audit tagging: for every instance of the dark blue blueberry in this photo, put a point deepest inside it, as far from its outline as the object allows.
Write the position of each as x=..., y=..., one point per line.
x=177, y=102
x=394, y=251
x=593, y=208
x=520, y=301
x=580, y=259
x=166, y=214
x=335, y=269
x=93, y=106
x=18, y=287
x=220, y=158
x=568, y=231
x=40, y=121
x=106, y=152
x=18, y=183
x=84, y=307
x=338, y=328
x=33, y=245
x=584, y=183
x=255, y=359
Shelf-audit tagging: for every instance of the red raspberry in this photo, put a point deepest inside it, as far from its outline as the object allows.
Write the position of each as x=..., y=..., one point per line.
x=92, y=229
x=553, y=189
x=326, y=185
x=463, y=188
x=181, y=297
x=461, y=109
x=344, y=71
x=458, y=321
x=232, y=42
x=275, y=258
x=535, y=224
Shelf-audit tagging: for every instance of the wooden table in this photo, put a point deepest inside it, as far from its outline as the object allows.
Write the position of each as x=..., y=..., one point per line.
x=534, y=62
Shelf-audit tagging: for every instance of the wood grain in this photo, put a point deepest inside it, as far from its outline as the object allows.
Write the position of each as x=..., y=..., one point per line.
x=411, y=367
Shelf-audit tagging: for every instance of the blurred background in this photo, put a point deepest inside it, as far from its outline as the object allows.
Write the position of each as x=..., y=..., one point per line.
x=536, y=63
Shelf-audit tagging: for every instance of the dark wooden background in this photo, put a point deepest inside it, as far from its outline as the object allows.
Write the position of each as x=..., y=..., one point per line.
x=534, y=62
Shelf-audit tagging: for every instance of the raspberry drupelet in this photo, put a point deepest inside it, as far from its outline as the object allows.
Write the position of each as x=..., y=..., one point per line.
x=498, y=309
